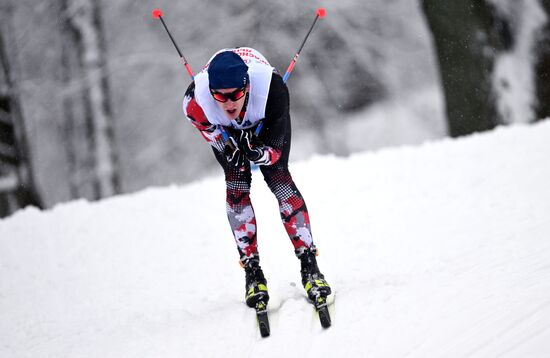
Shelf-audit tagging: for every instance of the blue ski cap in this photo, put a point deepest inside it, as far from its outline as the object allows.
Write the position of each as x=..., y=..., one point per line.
x=227, y=70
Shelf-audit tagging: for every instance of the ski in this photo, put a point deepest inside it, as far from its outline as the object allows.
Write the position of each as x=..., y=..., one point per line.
x=321, y=307
x=263, y=321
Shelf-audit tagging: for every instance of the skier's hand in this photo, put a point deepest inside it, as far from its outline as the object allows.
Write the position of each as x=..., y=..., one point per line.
x=251, y=146
x=233, y=153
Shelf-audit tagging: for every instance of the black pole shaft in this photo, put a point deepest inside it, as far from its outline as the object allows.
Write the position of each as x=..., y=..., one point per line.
x=171, y=38
x=185, y=63
x=309, y=32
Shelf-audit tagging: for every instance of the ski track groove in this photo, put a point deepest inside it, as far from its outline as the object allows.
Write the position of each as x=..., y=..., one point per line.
x=510, y=326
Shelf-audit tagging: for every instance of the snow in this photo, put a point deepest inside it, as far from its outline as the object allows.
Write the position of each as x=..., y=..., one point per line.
x=437, y=250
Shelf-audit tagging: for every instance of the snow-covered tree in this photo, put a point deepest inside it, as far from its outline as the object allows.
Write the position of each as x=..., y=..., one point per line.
x=86, y=77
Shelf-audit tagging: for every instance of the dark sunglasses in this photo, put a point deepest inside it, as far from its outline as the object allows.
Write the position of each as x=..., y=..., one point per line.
x=224, y=97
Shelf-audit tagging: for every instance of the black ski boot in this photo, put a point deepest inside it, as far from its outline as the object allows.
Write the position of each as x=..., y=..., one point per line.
x=312, y=279
x=256, y=284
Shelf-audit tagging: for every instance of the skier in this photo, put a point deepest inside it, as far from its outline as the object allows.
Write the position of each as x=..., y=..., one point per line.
x=235, y=92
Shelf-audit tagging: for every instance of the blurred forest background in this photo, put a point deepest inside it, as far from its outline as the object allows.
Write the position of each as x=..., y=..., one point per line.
x=91, y=90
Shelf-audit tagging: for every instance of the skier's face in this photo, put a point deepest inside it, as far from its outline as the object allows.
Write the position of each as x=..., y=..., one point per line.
x=231, y=108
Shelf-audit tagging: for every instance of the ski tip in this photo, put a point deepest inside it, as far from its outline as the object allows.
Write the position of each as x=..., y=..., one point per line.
x=263, y=321
x=264, y=330
x=321, y=12
x=157, y=13
x=264, y=334
x=324, y=318
x=322, y=310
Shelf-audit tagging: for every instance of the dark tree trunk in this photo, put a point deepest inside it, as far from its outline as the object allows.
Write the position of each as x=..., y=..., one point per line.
x=466, y=41
x=18, y=188
x=542, y=69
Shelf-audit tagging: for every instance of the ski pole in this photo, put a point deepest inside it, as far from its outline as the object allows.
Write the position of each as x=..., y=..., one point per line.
x=157, y=14
x=321, y=13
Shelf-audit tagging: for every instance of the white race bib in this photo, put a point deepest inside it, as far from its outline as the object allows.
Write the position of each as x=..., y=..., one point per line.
x=259, y=72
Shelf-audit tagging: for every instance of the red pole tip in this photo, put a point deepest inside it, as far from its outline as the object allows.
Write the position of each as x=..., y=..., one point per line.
x=321, y=12
x=157, y=13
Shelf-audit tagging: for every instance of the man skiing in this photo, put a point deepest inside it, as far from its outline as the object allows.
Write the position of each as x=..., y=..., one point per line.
x=237, y=91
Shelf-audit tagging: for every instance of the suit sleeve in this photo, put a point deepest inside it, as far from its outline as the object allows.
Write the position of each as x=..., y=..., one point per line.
x=194, y=113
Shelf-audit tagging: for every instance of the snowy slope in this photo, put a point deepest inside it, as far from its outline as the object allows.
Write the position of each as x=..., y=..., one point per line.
x=441, y=250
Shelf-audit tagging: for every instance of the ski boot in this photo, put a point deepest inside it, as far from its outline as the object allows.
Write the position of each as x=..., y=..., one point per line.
x=312, y=279
x=256, y=295
x=314, y=283
x=256, y=284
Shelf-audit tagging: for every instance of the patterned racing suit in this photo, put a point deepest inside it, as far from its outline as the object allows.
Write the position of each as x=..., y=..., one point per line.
x=275, y=136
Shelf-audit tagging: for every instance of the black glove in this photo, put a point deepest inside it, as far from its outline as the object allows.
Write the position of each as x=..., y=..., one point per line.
x=251, y=146
x=233, y=154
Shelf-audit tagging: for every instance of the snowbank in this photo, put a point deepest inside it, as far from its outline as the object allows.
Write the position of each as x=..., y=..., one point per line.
x=439, y=250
